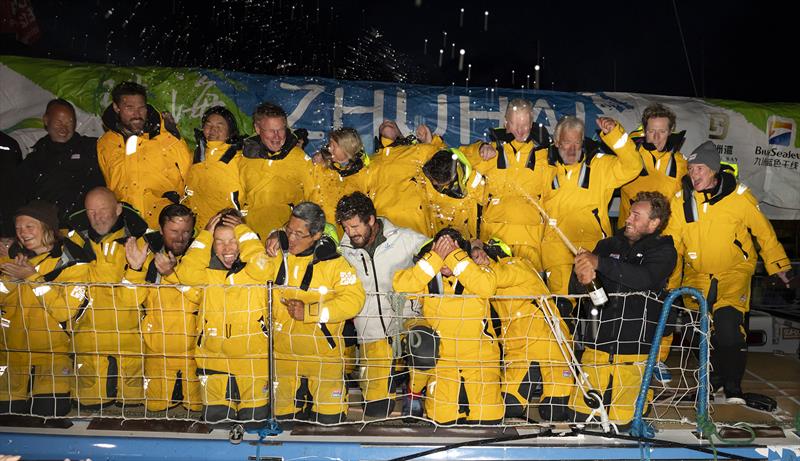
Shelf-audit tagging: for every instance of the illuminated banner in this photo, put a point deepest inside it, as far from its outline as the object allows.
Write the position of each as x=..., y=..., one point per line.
x=761, y=139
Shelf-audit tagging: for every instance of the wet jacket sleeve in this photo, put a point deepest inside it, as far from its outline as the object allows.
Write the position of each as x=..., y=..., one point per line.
x=519, y=272
x=105, y=151
x=673, y=229
x=192, y=268
x=478, y=279
x=62, y=302
x=252, y=253
x=655, y=268
x=344, y=297
x=473, y=154
x=772, y=252
x=415, y=278
x=628, y=163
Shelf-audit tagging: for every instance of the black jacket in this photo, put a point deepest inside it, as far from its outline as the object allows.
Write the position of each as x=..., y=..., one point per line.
x=627, y=323
x=61, y=173
x=10, y=157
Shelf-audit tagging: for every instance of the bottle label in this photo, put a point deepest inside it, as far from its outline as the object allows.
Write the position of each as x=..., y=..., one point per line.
x=598, y=297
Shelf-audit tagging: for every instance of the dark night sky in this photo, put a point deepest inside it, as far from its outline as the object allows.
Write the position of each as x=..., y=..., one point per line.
x=737, y=50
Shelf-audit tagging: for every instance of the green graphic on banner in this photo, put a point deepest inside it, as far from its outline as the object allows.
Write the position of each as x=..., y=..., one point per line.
x=185, y=93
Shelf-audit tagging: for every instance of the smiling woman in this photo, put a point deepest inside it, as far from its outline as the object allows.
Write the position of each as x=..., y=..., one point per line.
x=33, y=341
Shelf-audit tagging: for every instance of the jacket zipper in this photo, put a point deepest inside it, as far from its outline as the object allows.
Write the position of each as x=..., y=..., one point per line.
x=377, y=296
x=596, y=214
x=741, y=248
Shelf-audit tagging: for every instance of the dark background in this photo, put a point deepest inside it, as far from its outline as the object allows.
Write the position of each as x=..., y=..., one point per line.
x=736, y=50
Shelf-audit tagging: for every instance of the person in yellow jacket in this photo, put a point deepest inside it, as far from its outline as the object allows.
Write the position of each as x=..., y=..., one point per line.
x=714, y=220
x=663, y=163
x=212, y=183
x=274, y=173
x=533, y=363
x=341, y=170
x=107, y=341
x=143, y=158
x=169, y=323
x=579, y=185
x=464, y=384
x=37, y=317
x=509, y=163
x=455, y=194
x=319, y=291
x=393, y=175
x=664, y=166
x=227, y=257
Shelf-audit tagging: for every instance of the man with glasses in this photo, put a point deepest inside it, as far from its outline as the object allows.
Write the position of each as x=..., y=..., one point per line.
x=320, y=291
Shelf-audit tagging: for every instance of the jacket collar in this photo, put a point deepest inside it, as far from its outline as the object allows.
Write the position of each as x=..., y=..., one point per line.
x=726, y=184
x=129, y=220
x=152, y=124
x=538, y=135
x=254, y=148
x=674, y=142
x=589, y=150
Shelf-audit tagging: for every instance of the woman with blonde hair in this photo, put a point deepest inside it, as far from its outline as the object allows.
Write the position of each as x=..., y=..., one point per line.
x=340, y=169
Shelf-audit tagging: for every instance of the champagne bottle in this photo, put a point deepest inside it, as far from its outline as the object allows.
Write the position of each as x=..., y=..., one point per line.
x=596, y=292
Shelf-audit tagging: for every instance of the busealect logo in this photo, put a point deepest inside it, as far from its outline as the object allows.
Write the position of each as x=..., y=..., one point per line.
x=781, y=131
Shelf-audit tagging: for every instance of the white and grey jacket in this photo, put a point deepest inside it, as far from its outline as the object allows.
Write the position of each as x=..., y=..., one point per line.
x=378, y=319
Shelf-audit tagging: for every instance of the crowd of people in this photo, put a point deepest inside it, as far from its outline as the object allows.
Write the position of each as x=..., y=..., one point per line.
x=162, y=258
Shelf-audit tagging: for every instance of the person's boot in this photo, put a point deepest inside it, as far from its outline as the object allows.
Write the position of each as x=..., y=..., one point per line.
x=412, y=405
x=555, y=409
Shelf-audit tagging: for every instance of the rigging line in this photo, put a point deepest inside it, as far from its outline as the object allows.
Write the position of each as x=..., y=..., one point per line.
x=685, y=51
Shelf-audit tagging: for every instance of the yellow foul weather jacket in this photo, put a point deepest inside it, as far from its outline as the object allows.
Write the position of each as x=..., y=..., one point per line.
x=512, y=182
x=393, y=184
x=576, y=198
x=212, y=182
x=662, y=172
x=38, y=317
x=272, y=182
x=713, y=234
x=232, y=317
x=148, y=170
x=331, y=183
x=110, y=323
x=332, y=294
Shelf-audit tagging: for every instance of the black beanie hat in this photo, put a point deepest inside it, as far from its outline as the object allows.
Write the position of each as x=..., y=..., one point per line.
x=40, y=210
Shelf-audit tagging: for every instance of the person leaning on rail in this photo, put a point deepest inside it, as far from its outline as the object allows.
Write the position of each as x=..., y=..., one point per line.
x=534, y=367
x=107, y=340
x=636, y=259
x=319, y=291
x=232, y=348
x=37, y=318
x=169, y=323
x=461, y=377
x=376, y=249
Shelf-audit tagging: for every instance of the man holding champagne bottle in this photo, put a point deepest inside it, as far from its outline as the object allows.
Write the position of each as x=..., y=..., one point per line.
x=636, y=259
